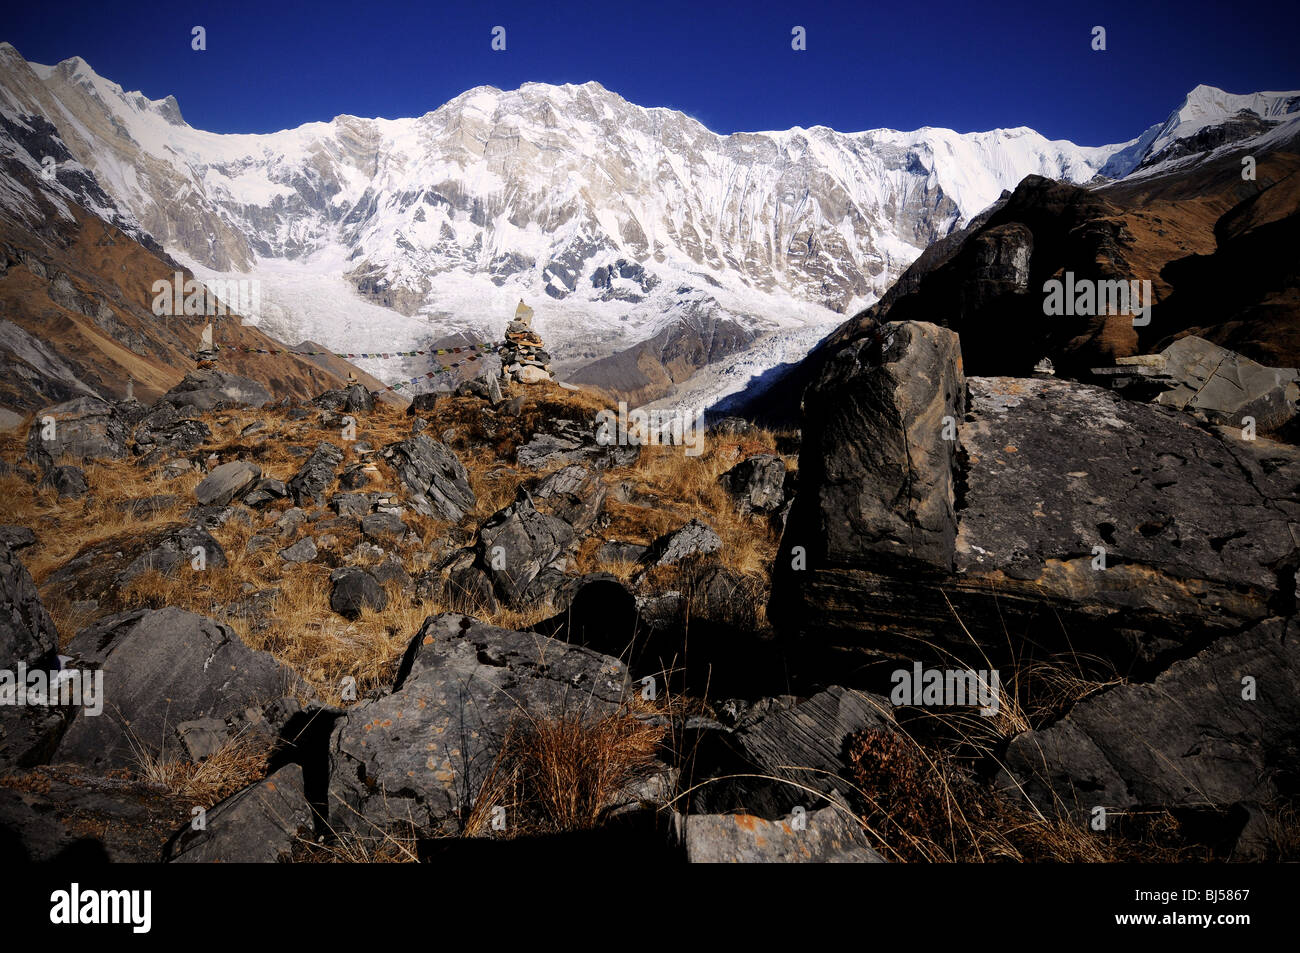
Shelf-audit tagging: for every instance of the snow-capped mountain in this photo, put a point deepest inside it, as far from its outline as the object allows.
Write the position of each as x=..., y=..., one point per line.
x=620, y=223
x=1207, y=118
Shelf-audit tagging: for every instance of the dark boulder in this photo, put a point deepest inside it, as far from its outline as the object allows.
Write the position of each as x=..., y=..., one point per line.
x=160, y=669
x=756, y=484
x=696, y=538
x=86, y=428
x=1214, y=730
x=226, y=482
x=166, y=428
x=68, y=481
x=422, y=753
x=1060, y=512
x=437, y=480
x=208, y=388
x=307, y=487
x=516, y=544
x=575, y=494
x=383, y=527
x=258, y=825
x=266, y=491
x=353, y=589
x=27, y=633
x=486, y=388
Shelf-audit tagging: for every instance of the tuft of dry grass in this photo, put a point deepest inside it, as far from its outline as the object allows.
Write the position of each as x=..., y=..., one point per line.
x=241, y=761
x=561, y=772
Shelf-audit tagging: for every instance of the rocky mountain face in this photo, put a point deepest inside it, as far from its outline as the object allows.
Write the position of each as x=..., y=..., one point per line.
x=627, y=222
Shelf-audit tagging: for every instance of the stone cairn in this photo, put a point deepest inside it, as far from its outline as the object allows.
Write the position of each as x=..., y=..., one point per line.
x=206, y=356
x=523, y=355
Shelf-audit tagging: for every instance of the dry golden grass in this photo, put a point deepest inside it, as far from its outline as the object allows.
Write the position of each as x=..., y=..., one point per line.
x=301, y=630
x=561, y=773
x=391, y=846
x=241, y=761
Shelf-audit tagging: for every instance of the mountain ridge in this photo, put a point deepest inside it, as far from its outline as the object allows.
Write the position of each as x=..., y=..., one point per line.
x=631, y=220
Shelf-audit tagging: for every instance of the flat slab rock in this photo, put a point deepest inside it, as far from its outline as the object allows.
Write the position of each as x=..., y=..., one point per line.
x=1056, y=468
x=423, y=751
x=226, y=482
x=100, y=569
x=1187, y=739
x=161, y=669
x=799, y=742
x=258, y=825
x=62, y=814
x=826, y=836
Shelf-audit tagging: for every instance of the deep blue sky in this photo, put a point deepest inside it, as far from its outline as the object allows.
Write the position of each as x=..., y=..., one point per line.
x=272, y=65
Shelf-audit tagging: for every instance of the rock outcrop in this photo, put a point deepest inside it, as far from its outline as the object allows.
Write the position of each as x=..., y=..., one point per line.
x=435, y=477
x=27, y=632
x=1054, y=508
x=422, y=753
x=162, y=669
x=1211, y=731
x=86, y=428
x=209, y=388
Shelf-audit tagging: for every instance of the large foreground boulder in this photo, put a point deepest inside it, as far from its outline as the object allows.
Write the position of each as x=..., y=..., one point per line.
x=423, y=753
x=308, y=486
x=1056, y=511
x=162, y=669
